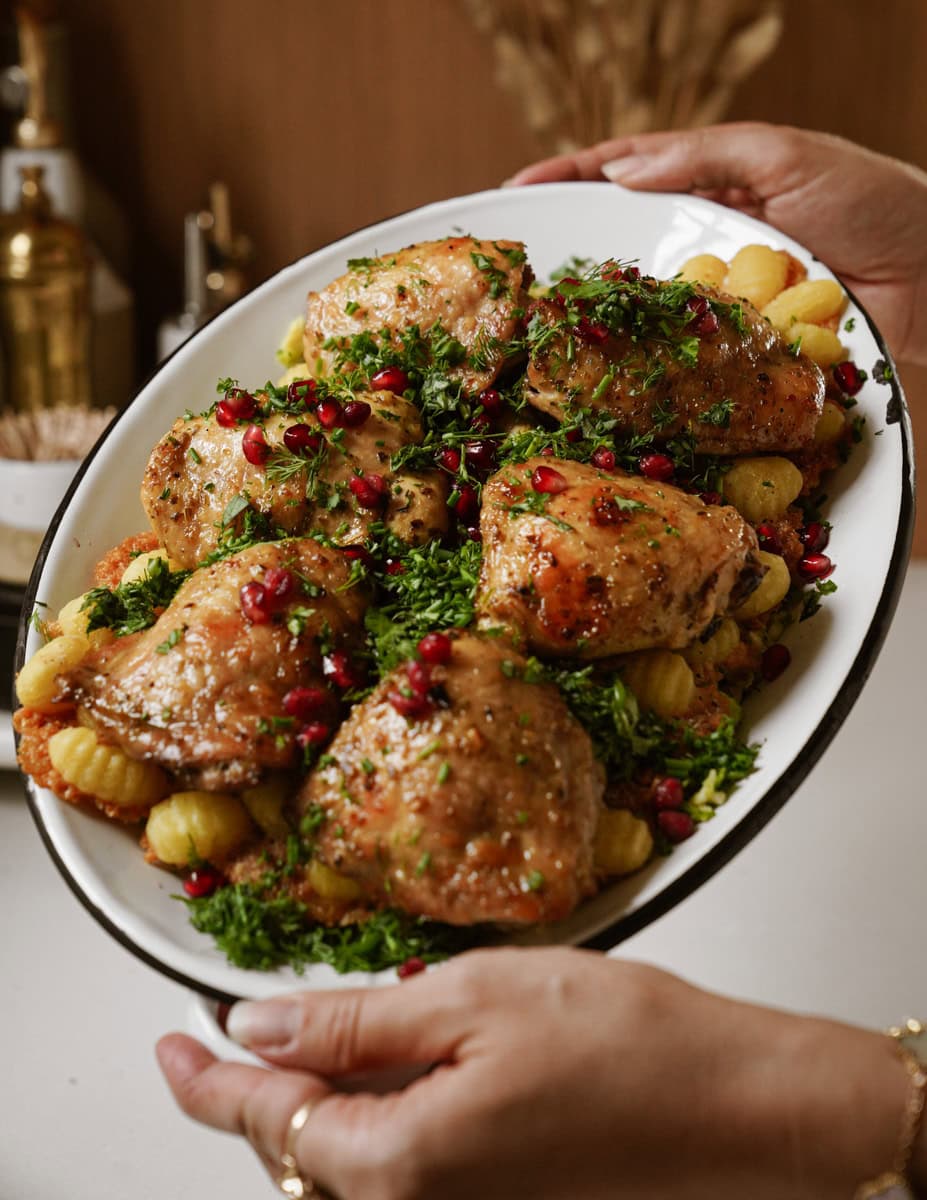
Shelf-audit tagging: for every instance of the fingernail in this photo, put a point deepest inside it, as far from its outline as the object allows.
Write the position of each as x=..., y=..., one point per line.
x=510, y=182
x=620, y=169
x=264, y=1024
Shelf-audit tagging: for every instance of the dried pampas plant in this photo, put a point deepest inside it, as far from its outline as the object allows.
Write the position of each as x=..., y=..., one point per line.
x=51, y=434
x=586, y=70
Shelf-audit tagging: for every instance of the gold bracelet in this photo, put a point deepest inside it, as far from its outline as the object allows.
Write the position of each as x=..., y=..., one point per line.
x=911, y=1041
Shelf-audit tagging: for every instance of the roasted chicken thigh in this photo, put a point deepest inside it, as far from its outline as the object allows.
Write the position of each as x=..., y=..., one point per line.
x=199, y=467
x=475, y=290
x=201, y=692
x=586, y=563
x=480, y=805
x=670, y=359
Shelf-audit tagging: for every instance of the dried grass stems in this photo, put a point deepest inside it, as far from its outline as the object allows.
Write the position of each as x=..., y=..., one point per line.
x=51, y=434
x=586, y=70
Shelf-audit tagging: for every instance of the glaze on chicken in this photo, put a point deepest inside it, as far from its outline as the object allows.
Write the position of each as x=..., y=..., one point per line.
x=201, y=692
x=475, y=290
x=483, y=808
x=608, y=564
x=199, y=467
x=719, y=374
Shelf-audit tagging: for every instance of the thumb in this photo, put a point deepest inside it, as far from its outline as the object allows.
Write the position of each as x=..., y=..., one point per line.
x=764, y=160
x=336, y=1033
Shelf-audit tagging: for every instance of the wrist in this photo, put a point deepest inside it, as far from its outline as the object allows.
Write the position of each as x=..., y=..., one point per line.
x=824, y=1104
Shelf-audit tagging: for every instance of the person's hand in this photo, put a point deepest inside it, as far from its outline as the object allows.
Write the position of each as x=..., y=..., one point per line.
x=863, y=214
x=559, y=1074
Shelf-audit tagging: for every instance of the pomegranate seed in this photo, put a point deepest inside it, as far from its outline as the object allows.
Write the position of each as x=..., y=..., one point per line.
x=474, y=533
x=279, y=586
x=241, y=404
x=467, y=507
x=849, y=377
x=815, y=537
x=305, y=702
x=419, y=676
x=668, y=793
x=411, y=966
x=548, y=452
x=368, y=490
x=697, y=304
x=480, y=422
x=435, y=648
x=491, y=401
x=302, y=439
x=710, y=497
x=768, y=539
x=355, y=413
x=632, y=274
x=656, y=466
x=574, y=435
x=313, y=734
x=593, y=332
x=815, y=566
x=774, y=661
x=225, y=416
x=330, y=413
x=358, y=554
x=603, y=459
x=613, y=275
x=254, y=446
x=409, y=706
x=203, y=881
x=395, y=567
x=481, y=456
x=704, y=325
x=390, y=379
x=549, y=481
x=449, y=459
x=677, y=826
x=255, y=603
x=338, y=668
x=302, y=391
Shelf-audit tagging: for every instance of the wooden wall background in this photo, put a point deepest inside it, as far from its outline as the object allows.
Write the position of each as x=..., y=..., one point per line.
x=324, y=116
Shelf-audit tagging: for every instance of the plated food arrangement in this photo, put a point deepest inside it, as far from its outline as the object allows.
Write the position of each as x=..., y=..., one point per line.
x=449, y=627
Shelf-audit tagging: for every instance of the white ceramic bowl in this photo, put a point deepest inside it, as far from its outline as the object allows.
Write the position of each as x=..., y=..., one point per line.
x=871, y=507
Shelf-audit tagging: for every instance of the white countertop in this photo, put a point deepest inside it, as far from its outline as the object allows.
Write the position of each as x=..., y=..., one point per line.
x=818, y=913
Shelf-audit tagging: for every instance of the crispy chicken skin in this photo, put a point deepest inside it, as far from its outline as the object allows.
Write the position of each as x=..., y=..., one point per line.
x=198, y=692
x=483, y=810
x=774, y=398
x=187, y=517
x=474, y=289
x=611, y=564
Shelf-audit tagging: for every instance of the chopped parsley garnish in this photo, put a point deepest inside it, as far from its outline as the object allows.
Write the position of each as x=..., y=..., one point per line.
x=132, y=607
x=259, y=931
x=719, y=414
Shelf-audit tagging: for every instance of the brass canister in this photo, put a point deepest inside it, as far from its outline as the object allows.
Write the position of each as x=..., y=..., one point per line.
x=44, y=305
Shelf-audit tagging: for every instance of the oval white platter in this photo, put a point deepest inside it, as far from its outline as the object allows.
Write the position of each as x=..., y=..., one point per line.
x=871, y=507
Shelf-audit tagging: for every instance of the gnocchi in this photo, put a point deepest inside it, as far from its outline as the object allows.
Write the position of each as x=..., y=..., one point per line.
x=772, y=588
x=104, y=772
x=762, y=488
x=661, y=681
x=329, y=884
x=722, y=642
x=811, y=301
x=756, y=273
x=197, y=825
x=704, y=268
x=37, y=683
x=73, y=620
x=623, y=842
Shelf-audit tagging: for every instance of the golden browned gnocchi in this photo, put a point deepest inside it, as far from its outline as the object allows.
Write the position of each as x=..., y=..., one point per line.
x=704, y=268
x=757, y=273
x=761, y=488
x=105, y=772
x=661, y=681
x=188, y=826
x=718, y=647
x=772, y=588
x=37, y=683
x=623, y=842
x=811, y=301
